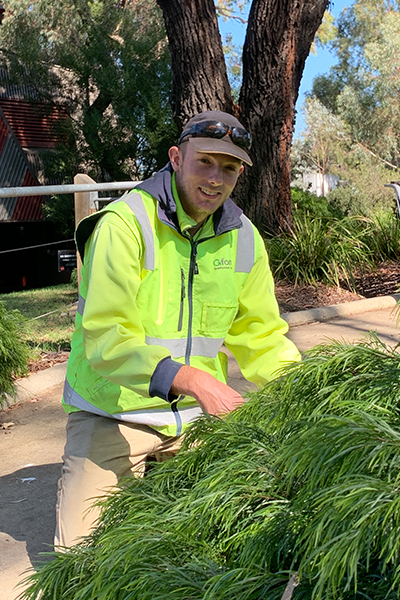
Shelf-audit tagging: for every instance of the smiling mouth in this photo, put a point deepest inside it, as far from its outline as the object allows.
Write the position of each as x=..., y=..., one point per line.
x=209, y=193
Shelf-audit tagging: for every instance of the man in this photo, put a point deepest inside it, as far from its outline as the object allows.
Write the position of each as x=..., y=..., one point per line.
x=170, y=272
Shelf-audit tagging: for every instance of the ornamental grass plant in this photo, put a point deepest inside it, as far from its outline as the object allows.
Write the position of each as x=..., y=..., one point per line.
x=382, y=236
x=304, y=479
x=14, y=353
x=320, y=249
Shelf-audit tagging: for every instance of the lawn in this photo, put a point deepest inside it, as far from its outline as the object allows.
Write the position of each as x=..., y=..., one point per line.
x=49, y=325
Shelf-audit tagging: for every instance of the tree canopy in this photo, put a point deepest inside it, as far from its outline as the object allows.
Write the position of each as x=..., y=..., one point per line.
x=109, y=67
x=363, y=87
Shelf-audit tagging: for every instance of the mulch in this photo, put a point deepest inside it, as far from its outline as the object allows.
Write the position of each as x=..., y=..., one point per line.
x=385, y=280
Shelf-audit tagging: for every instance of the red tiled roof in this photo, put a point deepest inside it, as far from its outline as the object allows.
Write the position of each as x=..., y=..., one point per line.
x=33, y=123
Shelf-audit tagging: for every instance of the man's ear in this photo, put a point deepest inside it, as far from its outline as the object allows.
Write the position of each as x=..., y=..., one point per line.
x=175, y=156
x=241, y=169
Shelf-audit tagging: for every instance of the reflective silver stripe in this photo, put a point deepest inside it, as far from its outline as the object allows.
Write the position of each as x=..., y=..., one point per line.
x=135, y=203
x=245, y=247
x=201, y=346
x=81, y=305
x=156, y=417
x=206, y=346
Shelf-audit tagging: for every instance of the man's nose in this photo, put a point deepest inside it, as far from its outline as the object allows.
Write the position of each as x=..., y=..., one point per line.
x=215, y=175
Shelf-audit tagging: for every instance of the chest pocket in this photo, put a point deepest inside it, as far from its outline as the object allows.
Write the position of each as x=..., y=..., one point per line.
x=217, y=317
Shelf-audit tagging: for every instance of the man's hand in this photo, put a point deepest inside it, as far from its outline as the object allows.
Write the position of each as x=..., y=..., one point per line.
x=214, y=397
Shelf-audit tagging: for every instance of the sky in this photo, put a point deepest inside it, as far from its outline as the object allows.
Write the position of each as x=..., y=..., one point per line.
x=315, y=64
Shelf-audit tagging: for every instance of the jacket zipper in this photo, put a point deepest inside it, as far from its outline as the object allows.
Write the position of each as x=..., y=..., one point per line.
x=183, y=294
x=193, y=270
x=178, y=419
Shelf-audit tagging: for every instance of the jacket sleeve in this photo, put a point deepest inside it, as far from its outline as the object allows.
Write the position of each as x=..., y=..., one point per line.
x=257, y=336
x=112, y=331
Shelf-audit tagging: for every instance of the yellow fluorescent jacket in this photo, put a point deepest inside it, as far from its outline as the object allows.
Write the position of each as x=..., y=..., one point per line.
x=152, y=299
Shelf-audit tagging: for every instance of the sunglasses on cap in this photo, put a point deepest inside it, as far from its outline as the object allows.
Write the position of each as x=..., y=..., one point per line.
x=216, y=129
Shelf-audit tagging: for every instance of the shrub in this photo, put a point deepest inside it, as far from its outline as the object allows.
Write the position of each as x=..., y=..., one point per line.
x=303, y=478
x=61, y=211
x=74, y=278
x=304, y=202
x=14, y=352
x=348, y=201
x=327, y=250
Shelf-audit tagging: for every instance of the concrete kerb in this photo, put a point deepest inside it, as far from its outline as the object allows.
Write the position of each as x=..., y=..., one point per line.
x=32, y=386
x=327, y=313
x=29, y=388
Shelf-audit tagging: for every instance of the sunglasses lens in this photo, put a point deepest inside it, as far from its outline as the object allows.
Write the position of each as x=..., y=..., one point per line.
x=241, y=138
x=218, y=130
x=212, y=129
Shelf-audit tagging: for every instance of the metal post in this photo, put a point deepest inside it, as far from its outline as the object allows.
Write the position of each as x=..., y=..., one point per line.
x=396, y=188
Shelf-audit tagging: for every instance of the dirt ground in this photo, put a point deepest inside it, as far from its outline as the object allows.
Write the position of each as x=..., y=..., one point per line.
x=382, y=282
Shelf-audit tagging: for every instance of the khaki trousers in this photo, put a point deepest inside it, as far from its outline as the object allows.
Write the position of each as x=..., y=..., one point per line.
x=99, y=452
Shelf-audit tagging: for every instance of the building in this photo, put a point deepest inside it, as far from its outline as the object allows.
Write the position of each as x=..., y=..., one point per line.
x=28, y=250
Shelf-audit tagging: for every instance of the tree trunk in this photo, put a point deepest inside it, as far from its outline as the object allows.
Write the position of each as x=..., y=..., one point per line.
x=278, y=40
x=199, y=78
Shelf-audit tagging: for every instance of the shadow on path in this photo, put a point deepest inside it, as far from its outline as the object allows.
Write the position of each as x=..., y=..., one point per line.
x=27, y=508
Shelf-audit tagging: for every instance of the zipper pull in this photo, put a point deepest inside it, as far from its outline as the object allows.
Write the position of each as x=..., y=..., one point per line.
x=195, y=266
x=182, y=284
x=183, y=294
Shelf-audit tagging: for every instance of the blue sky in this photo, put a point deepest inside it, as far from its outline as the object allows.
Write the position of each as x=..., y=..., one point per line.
x=315, y=64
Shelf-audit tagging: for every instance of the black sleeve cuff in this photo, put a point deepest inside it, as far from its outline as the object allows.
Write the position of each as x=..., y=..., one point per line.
x=162, y=378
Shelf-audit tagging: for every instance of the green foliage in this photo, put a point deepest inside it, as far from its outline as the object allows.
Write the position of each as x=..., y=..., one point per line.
x=319, y=249
x=322, y=146
x=304, y=202
x=328, y=146
x=327, y=30
x=14, y=352
x=60, y=209
x=304, y=478
x=108, y=67
x=348, y=201
x=74, y=279
x=233, y=59
x=365, y=192
x=362, y=88
x=382, y=236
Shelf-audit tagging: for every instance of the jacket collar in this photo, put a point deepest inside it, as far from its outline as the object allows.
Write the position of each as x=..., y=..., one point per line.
x=226, y=218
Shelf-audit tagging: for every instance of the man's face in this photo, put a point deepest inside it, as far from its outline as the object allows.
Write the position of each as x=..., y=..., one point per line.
x=203, y=180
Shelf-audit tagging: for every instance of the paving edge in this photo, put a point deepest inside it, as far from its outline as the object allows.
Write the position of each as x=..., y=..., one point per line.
x=32, y=386
x=28, y=388
x=327, y=313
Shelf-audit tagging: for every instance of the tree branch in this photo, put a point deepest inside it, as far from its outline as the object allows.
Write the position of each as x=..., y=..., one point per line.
x=376, y=155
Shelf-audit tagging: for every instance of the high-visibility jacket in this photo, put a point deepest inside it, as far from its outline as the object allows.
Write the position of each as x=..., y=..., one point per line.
x=153, y=298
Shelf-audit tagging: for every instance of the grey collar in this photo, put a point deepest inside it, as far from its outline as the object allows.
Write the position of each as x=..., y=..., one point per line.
x=226, y=218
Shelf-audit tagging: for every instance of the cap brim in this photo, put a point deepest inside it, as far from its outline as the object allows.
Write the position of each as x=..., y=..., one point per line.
x=222, y=146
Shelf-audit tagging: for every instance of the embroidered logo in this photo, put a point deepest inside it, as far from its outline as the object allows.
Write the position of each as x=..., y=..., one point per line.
x=222, y=263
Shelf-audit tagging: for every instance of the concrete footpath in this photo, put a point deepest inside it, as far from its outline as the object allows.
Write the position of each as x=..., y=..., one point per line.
x=32, y=433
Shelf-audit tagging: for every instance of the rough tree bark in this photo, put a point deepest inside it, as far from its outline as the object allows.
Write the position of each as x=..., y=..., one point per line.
x=278, y=40
x=199, y=78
